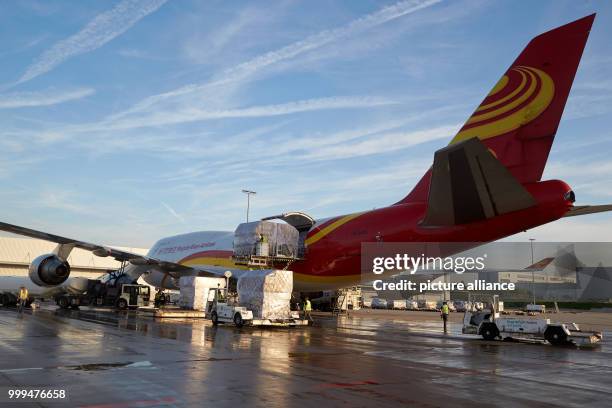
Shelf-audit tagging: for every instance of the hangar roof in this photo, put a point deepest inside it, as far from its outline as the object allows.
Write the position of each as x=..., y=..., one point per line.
x=21, y=251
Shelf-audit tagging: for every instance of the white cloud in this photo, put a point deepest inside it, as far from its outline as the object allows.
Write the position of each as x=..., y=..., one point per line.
x=385, y=142
x=139, y=54
x=594, y=169
x=102, y=29
x=372, y=139
x=63, y=200
x=194, y=114
x=14, y=163
x=587, y=228
x=205, y=48
x=46, y=98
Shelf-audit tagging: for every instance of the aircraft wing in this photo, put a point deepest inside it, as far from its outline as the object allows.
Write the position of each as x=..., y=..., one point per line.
x=587, y=209
x=104, y=251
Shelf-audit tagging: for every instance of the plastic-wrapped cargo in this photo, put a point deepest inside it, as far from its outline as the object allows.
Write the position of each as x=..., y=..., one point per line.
x=398, y=304
x=195, y=289
x=267, y=293
x=281, y=239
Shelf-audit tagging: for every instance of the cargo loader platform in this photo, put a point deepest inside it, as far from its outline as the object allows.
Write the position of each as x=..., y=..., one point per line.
x=171, y=312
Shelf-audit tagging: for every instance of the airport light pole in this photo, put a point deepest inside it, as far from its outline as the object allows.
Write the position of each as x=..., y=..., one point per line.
x=532, y=271
x=249, y=193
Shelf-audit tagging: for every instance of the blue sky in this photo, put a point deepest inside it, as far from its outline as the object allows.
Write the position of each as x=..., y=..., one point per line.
x=129, y=120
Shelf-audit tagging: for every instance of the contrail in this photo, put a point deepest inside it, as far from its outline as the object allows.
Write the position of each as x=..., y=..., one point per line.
x=173, y=213
x=312, y=42
x=325, y=37
x=46, y=98
x=102, y=29
x=195, y=114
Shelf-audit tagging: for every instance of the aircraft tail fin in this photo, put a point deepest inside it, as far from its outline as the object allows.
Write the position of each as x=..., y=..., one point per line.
x=540, y=265
x=518, y=119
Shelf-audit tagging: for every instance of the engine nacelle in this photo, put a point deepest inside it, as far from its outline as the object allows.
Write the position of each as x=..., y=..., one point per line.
x=49, y=270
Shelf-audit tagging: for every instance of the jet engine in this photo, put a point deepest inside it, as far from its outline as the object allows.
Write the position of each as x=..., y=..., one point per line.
x=49, y=270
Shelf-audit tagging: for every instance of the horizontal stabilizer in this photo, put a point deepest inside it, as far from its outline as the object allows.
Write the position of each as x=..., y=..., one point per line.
x=588, y=209
x=469, y=184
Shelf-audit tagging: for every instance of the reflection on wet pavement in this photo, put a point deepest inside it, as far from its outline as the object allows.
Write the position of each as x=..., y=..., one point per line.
x=114, y=359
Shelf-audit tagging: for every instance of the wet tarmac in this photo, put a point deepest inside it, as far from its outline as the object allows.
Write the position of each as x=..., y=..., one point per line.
x=112, y=360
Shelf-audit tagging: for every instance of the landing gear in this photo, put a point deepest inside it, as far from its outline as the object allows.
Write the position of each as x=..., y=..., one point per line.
x=63, y=302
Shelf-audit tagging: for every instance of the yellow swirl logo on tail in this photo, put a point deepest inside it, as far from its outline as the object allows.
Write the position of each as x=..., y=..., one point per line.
x=519, y=97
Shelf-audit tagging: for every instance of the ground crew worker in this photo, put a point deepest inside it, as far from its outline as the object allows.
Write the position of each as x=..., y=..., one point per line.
x=159, y=298
x=308, y=310
x=262, y=248
x=444, y=314
x=23, y=298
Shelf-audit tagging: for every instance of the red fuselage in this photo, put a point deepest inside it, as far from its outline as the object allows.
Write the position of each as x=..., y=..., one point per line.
x=334, y=259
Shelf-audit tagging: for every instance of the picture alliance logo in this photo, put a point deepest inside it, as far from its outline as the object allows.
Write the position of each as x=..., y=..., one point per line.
x=405, y=262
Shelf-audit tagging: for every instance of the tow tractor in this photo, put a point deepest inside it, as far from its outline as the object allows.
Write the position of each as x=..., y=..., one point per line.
x=491, y=326
x=225, y=310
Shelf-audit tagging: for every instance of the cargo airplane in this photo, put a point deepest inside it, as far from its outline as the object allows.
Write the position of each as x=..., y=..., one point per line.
x=485, y=185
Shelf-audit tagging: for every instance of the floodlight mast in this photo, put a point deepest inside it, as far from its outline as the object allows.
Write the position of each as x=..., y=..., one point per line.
x=532, y=272
x=248, y=193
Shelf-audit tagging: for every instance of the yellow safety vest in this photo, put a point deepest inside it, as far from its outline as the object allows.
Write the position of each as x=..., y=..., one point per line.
x=308, y=306
x=445, y=309
x=23, y=294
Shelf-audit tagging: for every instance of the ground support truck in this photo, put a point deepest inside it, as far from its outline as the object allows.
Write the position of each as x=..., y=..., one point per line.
x=491, y=326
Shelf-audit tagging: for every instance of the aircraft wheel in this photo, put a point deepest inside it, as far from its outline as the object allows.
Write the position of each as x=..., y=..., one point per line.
x=214, y=318
x=63, y=302
x=238, y=320
x=122, y=304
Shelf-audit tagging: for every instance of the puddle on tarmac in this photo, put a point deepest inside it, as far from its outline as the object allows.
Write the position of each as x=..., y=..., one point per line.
x=108, y=366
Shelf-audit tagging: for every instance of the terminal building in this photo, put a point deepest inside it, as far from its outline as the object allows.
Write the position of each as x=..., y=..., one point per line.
x=16, y=253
